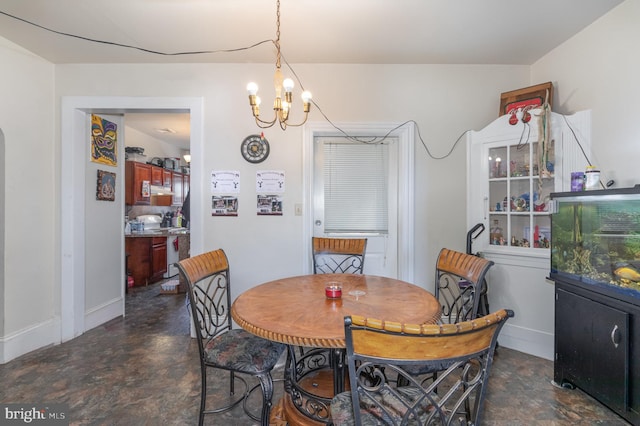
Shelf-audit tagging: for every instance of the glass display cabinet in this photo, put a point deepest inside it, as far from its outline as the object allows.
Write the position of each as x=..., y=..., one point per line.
x=521, y=179
x=595, y=264
x=513, y=169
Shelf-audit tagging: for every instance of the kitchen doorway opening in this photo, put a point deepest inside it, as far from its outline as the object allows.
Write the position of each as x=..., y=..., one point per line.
x=77, y=315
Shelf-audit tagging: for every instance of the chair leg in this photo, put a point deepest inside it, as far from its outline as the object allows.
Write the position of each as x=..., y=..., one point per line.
x=203, y=395
x=266, y=381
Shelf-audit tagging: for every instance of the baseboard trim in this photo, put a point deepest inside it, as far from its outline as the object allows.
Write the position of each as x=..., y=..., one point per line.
x=29, y=339
x=532, y=342
x=103, y=313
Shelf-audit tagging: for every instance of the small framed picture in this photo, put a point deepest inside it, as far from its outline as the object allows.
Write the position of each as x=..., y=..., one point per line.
x=532, y=97
x=106, y=190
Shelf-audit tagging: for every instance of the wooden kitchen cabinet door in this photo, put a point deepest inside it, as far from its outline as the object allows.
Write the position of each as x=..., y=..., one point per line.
x=156, y=175
x=158, y=258
x=166, y=178
x=135, y=174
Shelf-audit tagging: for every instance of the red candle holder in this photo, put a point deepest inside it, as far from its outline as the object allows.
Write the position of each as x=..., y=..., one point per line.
x=333, y=291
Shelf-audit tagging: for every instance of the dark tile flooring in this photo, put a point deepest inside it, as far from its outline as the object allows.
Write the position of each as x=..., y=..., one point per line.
x=143, y=369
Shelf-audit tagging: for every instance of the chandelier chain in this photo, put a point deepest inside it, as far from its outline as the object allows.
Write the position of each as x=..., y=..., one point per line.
x=278, y=34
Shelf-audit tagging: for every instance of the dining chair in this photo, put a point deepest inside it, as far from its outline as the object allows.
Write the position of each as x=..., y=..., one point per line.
x=331, y=256
x=379, y=351
x=459, y=289
x=460, y=285
x=219, y=345
x=338, y=255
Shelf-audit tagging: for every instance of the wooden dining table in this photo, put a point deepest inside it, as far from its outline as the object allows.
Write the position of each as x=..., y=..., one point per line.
x=297, y=312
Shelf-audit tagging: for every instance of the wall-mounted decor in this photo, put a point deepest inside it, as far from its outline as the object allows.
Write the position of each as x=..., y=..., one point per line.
x=104, y=141
x=225, y=182
x=224, y=205
x=269, y=181
x=106, y=186
x=532, y=97
x=255, y=148
x=269, y=205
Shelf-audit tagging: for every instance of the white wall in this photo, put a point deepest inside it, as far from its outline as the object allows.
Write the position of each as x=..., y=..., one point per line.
x=153, y=147
x=104, y=263
x=598, y=69
x=444, y=100
x=30, y=254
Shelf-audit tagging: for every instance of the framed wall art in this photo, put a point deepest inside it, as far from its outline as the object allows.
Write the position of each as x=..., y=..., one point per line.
x=104, y=141
x=106, y=190
x=531, y=97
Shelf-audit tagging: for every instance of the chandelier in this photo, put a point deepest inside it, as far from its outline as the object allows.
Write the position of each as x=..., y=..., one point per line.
x=281, y=107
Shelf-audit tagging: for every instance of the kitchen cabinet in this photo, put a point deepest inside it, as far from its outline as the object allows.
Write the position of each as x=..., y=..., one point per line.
x=513, y=169
x=156, y=175
x=166, y=178
x=147, y=258
x=177, y=187
x=158, y=258
x=135, y=175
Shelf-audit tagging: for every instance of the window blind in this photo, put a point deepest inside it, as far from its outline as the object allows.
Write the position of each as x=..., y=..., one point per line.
x=355, y=187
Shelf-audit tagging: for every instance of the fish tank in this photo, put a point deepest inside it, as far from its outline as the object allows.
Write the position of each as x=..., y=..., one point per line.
x=596, y=240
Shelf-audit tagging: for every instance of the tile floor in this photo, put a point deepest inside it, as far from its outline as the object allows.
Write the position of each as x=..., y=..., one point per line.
x=143, y=369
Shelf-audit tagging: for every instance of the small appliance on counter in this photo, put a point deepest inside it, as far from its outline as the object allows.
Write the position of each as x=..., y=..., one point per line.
x=135, y=153
x=171, y=163
x=156, y=161
x=150, y=221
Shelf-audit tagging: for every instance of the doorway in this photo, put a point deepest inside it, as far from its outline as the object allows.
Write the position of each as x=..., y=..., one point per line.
x=75, y=318
x=400, y=234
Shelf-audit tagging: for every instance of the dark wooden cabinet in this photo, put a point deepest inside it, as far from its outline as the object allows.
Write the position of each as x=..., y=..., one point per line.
x=156, y=175
x=147, y=260
x=135, y=174
x=166, y=178
x=596, y=347
x=158, y=258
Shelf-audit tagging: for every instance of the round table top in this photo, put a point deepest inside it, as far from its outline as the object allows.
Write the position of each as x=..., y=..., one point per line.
x=296, y=311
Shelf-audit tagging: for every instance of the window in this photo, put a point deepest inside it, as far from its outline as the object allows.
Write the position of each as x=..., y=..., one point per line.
x=356, y=177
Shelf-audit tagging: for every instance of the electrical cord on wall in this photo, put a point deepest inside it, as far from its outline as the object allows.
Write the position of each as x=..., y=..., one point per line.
x=373, y=140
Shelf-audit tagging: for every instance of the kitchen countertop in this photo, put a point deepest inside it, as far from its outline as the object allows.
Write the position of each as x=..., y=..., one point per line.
x=161, y=232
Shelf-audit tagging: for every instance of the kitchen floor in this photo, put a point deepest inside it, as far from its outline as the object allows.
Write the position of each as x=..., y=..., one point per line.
x=144, y=370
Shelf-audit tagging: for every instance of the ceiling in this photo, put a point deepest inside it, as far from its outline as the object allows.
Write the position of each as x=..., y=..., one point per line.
x=158, y=126
x=312, y=31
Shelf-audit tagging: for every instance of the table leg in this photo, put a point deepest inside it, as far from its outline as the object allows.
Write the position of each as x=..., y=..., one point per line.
x=338, y=370
x=311, y=380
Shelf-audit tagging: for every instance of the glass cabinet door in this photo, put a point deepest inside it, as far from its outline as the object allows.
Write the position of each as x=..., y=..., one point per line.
x=521, y=180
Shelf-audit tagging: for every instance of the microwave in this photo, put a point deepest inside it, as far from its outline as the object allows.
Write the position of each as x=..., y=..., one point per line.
x=170, y=163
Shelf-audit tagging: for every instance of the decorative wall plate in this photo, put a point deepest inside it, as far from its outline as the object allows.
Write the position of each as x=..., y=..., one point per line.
x=255, y=148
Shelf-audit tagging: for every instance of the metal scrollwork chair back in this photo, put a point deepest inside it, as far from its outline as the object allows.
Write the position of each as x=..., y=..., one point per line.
x=338, y=255
x=219, y=345
x=379, y=351
x=460, y=278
